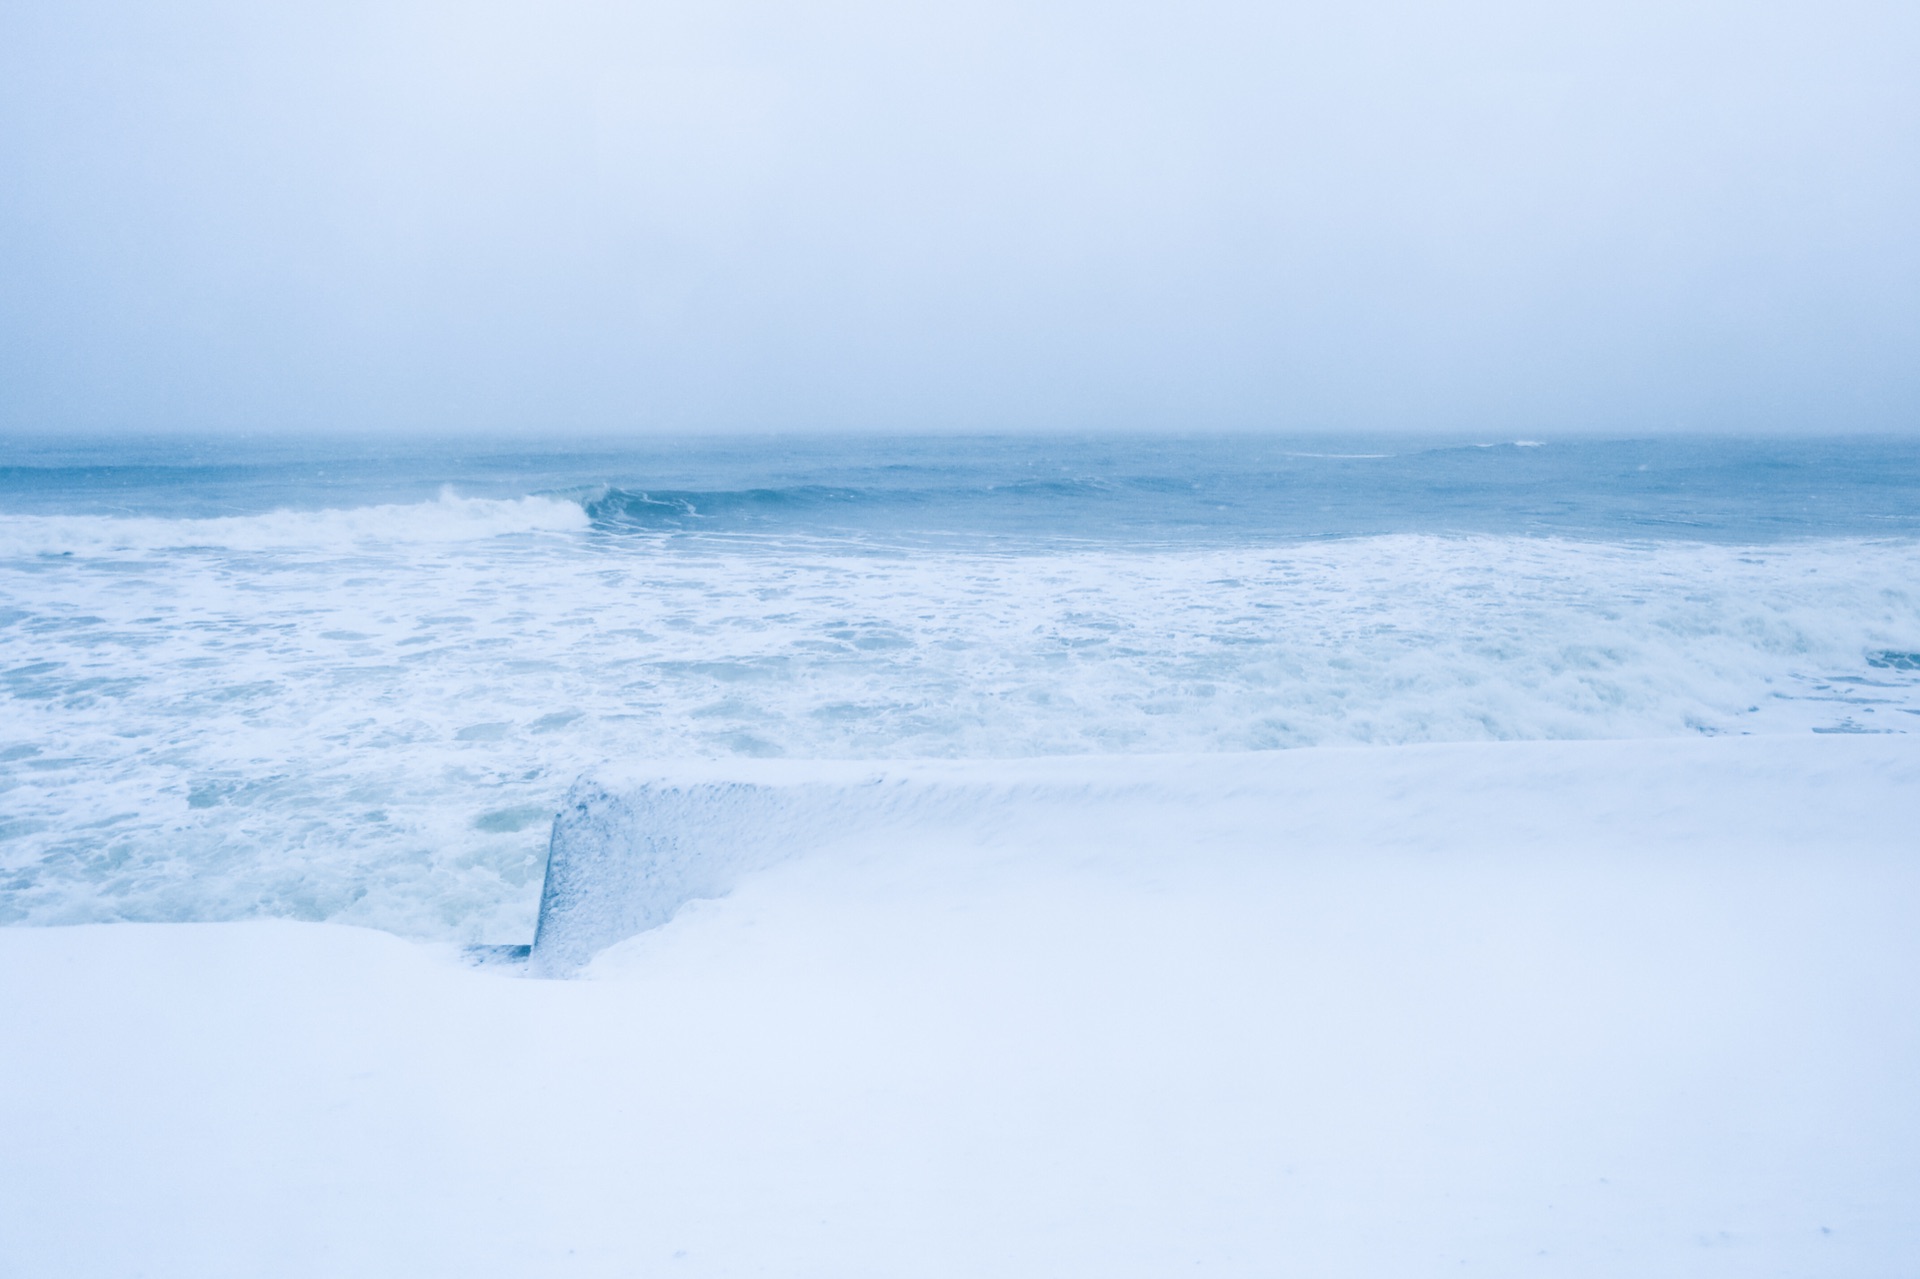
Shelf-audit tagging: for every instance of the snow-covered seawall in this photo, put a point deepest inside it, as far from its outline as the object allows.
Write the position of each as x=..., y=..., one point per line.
x=630, y=848
x=623, y=862
x=634, y=844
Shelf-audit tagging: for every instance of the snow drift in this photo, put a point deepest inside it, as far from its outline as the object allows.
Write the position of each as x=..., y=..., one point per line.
x=1550, y=1009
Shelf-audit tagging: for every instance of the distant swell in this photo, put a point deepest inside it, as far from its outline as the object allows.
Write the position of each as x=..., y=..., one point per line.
x=616, y=508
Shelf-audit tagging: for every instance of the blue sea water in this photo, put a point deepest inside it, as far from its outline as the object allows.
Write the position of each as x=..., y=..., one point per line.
x=1027, y=490
x=350, y=679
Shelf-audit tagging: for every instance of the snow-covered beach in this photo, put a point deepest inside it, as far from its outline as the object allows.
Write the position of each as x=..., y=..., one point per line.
x=1581, y=1008
x=1023, y=638
x=961, y=856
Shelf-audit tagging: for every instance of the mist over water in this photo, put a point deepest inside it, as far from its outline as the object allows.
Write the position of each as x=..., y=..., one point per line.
x=329, y=683
x=668, y=216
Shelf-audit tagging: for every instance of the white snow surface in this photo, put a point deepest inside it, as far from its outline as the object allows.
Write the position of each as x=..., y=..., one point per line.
x=1645, y=1008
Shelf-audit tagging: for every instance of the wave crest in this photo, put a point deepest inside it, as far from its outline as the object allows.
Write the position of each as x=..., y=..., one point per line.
x=447, y=518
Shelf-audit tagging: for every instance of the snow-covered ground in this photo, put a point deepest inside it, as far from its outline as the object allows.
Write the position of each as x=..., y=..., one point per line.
x=1582, y=1008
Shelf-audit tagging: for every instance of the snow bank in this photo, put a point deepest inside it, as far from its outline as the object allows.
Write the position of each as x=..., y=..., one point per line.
x=629, y=851
x=1541, y=1009
x=633, y=844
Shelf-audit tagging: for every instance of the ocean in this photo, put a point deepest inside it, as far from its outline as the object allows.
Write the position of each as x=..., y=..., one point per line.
x=351, y=680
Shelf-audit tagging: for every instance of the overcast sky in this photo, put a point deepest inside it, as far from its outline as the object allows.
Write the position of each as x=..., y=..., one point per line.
x=580, y=216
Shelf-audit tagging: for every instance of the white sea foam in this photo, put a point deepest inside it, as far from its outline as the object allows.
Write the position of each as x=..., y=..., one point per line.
x=450, y=518
x=375, y=723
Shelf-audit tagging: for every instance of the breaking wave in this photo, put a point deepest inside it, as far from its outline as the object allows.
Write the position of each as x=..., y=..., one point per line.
x=448, y=518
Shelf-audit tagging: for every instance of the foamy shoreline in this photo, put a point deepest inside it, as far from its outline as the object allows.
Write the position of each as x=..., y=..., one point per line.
x=377, y=735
